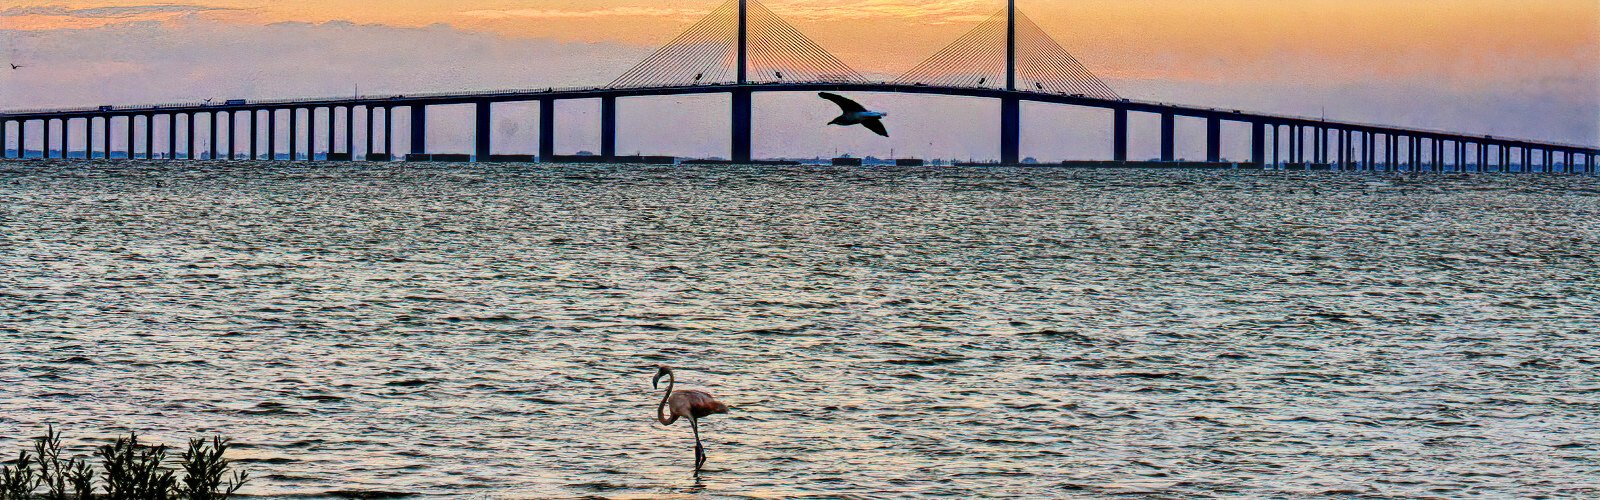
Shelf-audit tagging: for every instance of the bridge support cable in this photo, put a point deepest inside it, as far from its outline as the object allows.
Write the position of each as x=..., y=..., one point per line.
x=978, y=59
x=710, y=52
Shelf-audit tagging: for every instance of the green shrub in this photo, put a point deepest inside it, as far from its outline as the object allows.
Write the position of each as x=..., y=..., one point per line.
x=130, y=470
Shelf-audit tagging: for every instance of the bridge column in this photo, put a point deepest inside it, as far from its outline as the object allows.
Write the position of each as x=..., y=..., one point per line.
x=1213, y=139
x=47, y=147
x=1588, y=162
x=368, y=151
x=1344, y=149
x=419, y=129
x=255, y=134
x=333, y=131
x=88, y=137
x=1119, y=135
x=66, y=138
x=105, y=136
x=350, y=131
x=1295, y=138
x=1371, y=156
x=1549, y=161
x=1439, y=154
x=388, y=132
x=1414, y=151
x=481, y=134
x=188, y=134
x=311, y=134
x=1319, y=143
x=272, y=135
x=1258, y=143
x=22, y=139
x=149, y=137
x=1168, y=137
x=743, y=126
x=608, y=128
x=1527, y=159
x=129, y=120
x=1389, y=153
x=547, y=130
x=294, y=134
x=1010, y=131
x=172, y=137
x=1566, y=158
x=211, y=148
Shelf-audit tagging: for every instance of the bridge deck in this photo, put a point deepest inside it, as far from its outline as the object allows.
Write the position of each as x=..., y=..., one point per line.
x=525, y=95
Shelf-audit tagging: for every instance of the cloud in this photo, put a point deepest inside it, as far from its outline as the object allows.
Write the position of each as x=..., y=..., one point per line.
x=581, y=14
x=123, y=12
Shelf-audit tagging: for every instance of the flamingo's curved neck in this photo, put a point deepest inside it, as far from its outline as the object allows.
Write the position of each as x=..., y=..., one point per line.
x=661, y=411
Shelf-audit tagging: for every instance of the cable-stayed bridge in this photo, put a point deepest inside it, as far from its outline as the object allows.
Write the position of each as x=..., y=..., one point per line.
x=743, y=48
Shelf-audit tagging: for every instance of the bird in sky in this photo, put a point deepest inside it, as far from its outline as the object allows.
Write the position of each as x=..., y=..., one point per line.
x=690, y=404
x=856, y=114
x=15, y=67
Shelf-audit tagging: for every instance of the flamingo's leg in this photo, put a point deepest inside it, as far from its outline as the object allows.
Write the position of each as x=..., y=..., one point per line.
x=699, y=449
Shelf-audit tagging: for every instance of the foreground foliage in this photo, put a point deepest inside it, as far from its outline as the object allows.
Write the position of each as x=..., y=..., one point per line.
x=129, y=470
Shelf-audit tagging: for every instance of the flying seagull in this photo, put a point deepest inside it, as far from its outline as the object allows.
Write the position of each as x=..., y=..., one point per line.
x=856, y=114
x=14, y=67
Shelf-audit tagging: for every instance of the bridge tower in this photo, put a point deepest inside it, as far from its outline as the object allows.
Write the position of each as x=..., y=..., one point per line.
x=742, y=106
x=1011, y=105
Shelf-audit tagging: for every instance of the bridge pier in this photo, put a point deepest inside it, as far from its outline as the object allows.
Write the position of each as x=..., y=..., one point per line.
x=272, y=135
x=368, y=155
x=172, y=137
x=419, y=129
x=484, y=143
x=1258, y=144
x=1342, y=156
x=388, y=132
x=333, y=132
x=1319, y=145
x=88, y=137
x=311, y=134
x=188, y=135
x=1168, y=137
x=211, y=146
x=547, y=129
x=1213, y=139
x=1119, y=135
x=1010, y=131
x=294, y=134
x=350, y=132
x=608, y=128
x=743, y=126
x=255, y=135
x=66, y=138
x=149, y=136
x=46, y=135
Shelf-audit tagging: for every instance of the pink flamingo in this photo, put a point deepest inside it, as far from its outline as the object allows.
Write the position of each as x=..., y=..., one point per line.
x=692, y=404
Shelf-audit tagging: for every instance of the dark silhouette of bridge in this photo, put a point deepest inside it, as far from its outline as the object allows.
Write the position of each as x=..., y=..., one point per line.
x=741, y=49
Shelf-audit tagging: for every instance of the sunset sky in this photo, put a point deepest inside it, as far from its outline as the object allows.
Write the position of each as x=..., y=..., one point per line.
x=1505, y=67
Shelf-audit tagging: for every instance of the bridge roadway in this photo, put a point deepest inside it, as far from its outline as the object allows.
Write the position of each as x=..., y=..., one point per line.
x=1346, y=133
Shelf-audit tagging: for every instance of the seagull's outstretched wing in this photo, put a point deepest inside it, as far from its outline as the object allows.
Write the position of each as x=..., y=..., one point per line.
x=876, y=125
x=847, y=105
